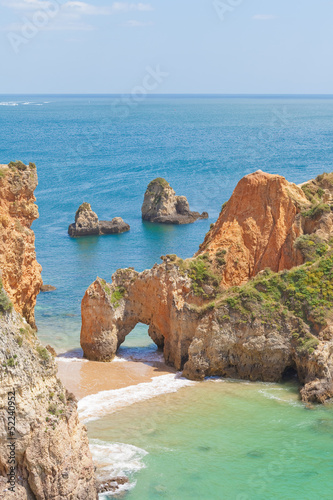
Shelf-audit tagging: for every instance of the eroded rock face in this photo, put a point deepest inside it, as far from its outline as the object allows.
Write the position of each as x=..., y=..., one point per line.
x=21, y=273
x=115, y=226
x=87, y=224
x=161, y=205
x=260, y=330
x=51, y=447
x=53, y=459
x=258, y=227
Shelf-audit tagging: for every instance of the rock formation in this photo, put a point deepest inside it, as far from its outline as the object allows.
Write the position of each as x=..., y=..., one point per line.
x=258, y=227
x=87, y=223
x=161, y=205
x=21, y=273
x=52, y=456
x=234, y=310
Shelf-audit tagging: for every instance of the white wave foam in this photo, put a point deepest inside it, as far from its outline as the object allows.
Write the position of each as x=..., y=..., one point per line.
x=106, y=402
x=116, y=459
x=145, y=354
x=71, y=360
x=20, y=103
x=289, y=401
x=9, y=103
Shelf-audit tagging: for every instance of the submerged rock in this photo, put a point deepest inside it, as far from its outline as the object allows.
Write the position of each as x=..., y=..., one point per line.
x=87, y=223
x=47, y=288
x=161, y=205
x=255, y=302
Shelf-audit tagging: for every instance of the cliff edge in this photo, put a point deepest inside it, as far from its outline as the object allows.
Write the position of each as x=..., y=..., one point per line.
x=44, y=450
x=21, y=273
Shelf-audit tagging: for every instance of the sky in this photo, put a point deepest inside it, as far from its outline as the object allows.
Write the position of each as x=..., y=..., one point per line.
x=166, y=46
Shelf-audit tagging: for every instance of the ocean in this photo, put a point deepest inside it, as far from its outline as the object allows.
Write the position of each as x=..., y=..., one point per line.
x=215, y=440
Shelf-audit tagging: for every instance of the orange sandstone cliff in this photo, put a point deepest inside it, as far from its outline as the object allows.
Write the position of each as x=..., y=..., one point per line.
x=21, y=273
x=255, y=302
x=48, y=456
x=258, y=227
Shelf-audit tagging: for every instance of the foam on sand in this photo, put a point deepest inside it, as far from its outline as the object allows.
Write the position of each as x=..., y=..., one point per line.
x=115, y=460
x=106, y=402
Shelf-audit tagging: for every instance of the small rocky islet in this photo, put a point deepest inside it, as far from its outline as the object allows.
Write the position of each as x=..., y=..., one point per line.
x=163, y=206
x=87, y=223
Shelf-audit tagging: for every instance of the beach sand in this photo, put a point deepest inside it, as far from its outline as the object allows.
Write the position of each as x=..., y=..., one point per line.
x=83, y=378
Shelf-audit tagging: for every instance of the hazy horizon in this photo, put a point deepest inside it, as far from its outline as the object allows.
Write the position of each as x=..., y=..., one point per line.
x=219, y=47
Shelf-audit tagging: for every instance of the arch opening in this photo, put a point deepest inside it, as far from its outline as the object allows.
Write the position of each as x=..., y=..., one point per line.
x=139, y=345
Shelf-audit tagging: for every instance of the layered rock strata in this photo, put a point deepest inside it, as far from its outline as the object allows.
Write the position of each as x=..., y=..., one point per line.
x=87, y=224
x=234, y=310
x=161, y=205
x=50, y=457
x=21, y=273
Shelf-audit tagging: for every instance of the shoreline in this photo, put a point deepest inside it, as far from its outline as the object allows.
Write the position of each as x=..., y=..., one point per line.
x=86, y=378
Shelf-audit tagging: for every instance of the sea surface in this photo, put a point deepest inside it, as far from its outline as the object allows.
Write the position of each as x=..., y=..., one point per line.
x=214, y=440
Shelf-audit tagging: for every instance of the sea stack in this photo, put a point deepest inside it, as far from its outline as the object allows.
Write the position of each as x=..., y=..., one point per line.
x=161, y=205
x=87, y=223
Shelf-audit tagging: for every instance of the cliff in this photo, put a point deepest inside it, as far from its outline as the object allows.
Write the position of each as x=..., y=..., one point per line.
x=21, y=273
x=49, y=446
x=257, y=228
x=273, y=320
x=161, y=205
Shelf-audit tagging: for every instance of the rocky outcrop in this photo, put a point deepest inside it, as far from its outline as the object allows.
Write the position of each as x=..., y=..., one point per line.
x=161, y=205
x=114, y=226
x=44, y=450
x=21, y=273
x=276, y=321
x=47, y=288
x=52, y=457
x=87, y=223
x=257, y=228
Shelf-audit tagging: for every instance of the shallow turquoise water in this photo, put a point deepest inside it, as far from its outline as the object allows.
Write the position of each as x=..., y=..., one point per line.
x=227, y=441
x=214, y=440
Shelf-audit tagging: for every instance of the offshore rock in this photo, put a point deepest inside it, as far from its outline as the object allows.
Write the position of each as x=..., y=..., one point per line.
x=87, y=223
x=115, y=226
x=161, y=205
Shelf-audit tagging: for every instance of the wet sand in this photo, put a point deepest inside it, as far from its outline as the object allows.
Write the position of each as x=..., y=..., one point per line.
x=84, y=378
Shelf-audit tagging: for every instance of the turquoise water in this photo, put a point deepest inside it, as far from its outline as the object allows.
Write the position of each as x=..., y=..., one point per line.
x=226, y=441
x=207, y=441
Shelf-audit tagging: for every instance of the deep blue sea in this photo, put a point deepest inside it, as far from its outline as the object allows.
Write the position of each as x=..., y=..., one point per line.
x=105, y=150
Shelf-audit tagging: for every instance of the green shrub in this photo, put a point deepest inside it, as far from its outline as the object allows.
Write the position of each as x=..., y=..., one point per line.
x=19, y=165
x=317, y=211
x=311, y=246
x=5, y=304
x=43, y=353
x=159, y=180
x=117, y=295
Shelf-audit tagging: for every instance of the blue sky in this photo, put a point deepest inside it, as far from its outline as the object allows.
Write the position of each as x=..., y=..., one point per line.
x=195, y=46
